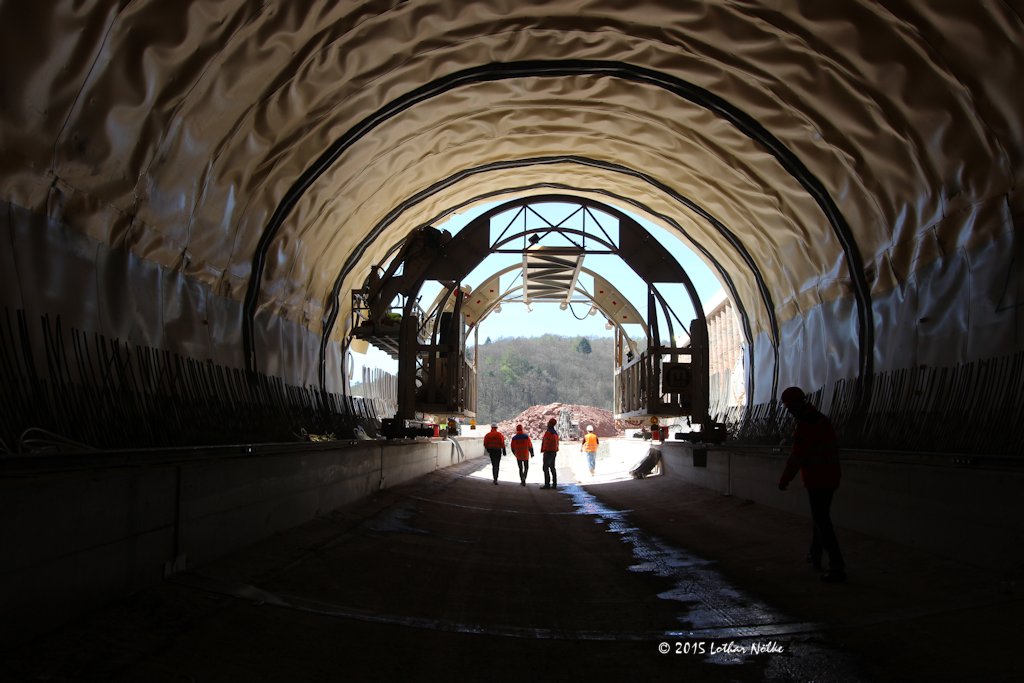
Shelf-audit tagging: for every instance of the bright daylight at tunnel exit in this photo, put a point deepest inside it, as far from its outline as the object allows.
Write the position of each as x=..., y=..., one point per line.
x=390, y=339
x=542, y=278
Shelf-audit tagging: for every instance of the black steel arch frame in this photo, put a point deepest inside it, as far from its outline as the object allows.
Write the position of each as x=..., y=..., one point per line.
x=573, y=192
x=723, y=274
x=613, y=69
x=627, y=225
x=734, y=241
x=482, y=222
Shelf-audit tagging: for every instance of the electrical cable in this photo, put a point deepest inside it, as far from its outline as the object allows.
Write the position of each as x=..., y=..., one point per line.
x=576, y=316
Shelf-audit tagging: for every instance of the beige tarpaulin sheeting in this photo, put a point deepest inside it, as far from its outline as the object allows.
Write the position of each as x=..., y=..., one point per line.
x=153, y=152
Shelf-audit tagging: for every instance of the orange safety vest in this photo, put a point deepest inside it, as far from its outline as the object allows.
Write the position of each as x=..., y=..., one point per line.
x=590, y=442
x=494, y=440
x=521, y=446
x=549, y=443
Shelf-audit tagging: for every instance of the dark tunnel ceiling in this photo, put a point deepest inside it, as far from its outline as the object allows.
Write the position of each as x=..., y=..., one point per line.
x=813, y=151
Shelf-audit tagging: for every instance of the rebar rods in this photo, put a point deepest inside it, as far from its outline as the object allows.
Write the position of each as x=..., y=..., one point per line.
x=973, y=408
x=104, y=393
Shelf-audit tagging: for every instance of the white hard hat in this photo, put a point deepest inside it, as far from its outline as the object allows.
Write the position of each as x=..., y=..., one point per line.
x=590, y=428
x=494, y=425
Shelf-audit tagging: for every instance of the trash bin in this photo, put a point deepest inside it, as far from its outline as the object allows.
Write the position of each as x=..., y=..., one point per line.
x=437, y=429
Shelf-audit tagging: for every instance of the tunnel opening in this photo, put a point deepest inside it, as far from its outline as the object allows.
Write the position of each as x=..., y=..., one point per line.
x=660, y=361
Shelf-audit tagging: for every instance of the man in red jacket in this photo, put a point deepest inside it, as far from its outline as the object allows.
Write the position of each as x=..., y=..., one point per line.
x=494, y=444
x=522, y=448
x=816, y=455
x=549, y=451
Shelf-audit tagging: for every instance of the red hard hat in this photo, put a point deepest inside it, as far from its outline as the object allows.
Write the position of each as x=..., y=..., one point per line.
x=519, y=428
x=793, y=395
x=552, y=421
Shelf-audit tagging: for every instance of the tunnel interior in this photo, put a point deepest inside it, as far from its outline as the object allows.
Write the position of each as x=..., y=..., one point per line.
x=193, y=192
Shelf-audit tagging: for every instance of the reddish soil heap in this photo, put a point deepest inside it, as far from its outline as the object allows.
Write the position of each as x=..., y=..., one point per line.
x=535, y=420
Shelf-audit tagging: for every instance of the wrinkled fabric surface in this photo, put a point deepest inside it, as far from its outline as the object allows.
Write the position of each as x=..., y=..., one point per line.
x=147, y=148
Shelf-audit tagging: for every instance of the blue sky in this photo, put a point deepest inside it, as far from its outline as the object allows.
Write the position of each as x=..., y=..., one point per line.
x=547, y=318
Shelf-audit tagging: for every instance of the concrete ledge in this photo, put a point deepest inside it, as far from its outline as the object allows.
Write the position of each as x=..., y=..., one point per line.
x=83, y=530
x=971, y=514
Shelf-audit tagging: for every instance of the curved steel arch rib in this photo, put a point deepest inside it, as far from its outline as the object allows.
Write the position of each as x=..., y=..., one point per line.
x=720, y=227
x=450, y=260
x=723, y=274
x=500, y=71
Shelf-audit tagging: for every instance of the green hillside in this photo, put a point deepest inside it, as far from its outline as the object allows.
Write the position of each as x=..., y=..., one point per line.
x=515, y=373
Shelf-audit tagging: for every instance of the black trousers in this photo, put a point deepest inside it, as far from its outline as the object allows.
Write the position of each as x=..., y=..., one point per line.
x=495, y=454
x=823, y=537
x=550, y=476
x=524, y=467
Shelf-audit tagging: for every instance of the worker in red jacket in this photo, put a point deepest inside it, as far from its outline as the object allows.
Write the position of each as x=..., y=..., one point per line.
x=494, y=444
x=816, y=455
x=522, y=448
x=549, y=450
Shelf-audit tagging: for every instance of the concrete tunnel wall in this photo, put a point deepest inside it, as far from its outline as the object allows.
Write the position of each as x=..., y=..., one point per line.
x=969, y=514
x=81, y=532
x=86, y=531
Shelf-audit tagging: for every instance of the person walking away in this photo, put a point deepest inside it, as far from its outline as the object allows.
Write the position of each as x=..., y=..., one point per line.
x=522, y=448
x=589, y=446
x=549, y=451
x=494, y=444
x=816, y=455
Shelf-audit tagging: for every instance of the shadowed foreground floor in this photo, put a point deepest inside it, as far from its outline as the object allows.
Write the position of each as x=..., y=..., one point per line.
x=453, y=578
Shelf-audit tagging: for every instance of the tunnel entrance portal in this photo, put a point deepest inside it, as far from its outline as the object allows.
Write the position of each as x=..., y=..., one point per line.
x=661, y=371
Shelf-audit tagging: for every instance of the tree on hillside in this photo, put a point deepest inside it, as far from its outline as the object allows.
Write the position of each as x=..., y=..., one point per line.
x=583, y=346
x=517, y=373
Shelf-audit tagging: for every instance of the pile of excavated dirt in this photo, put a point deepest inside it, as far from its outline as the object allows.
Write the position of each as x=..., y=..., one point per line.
x=535, y=420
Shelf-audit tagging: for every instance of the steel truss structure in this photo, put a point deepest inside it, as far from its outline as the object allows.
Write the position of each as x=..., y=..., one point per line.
x=655, y=377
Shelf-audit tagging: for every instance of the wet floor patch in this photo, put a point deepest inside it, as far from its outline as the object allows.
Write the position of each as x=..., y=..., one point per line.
x=719, y=621
x=714, y=607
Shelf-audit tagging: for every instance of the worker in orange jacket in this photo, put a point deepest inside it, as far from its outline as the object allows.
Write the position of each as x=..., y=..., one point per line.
x=494, y=444
x=589, y=446
x=549, y=450
x=522, y=448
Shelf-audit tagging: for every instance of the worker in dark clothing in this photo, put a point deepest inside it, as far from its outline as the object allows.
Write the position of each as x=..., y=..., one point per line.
x=494, y=444
x=549, y=451
x=816, y=455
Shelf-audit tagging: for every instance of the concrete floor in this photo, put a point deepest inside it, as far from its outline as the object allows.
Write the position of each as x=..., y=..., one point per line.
x=453, y=578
